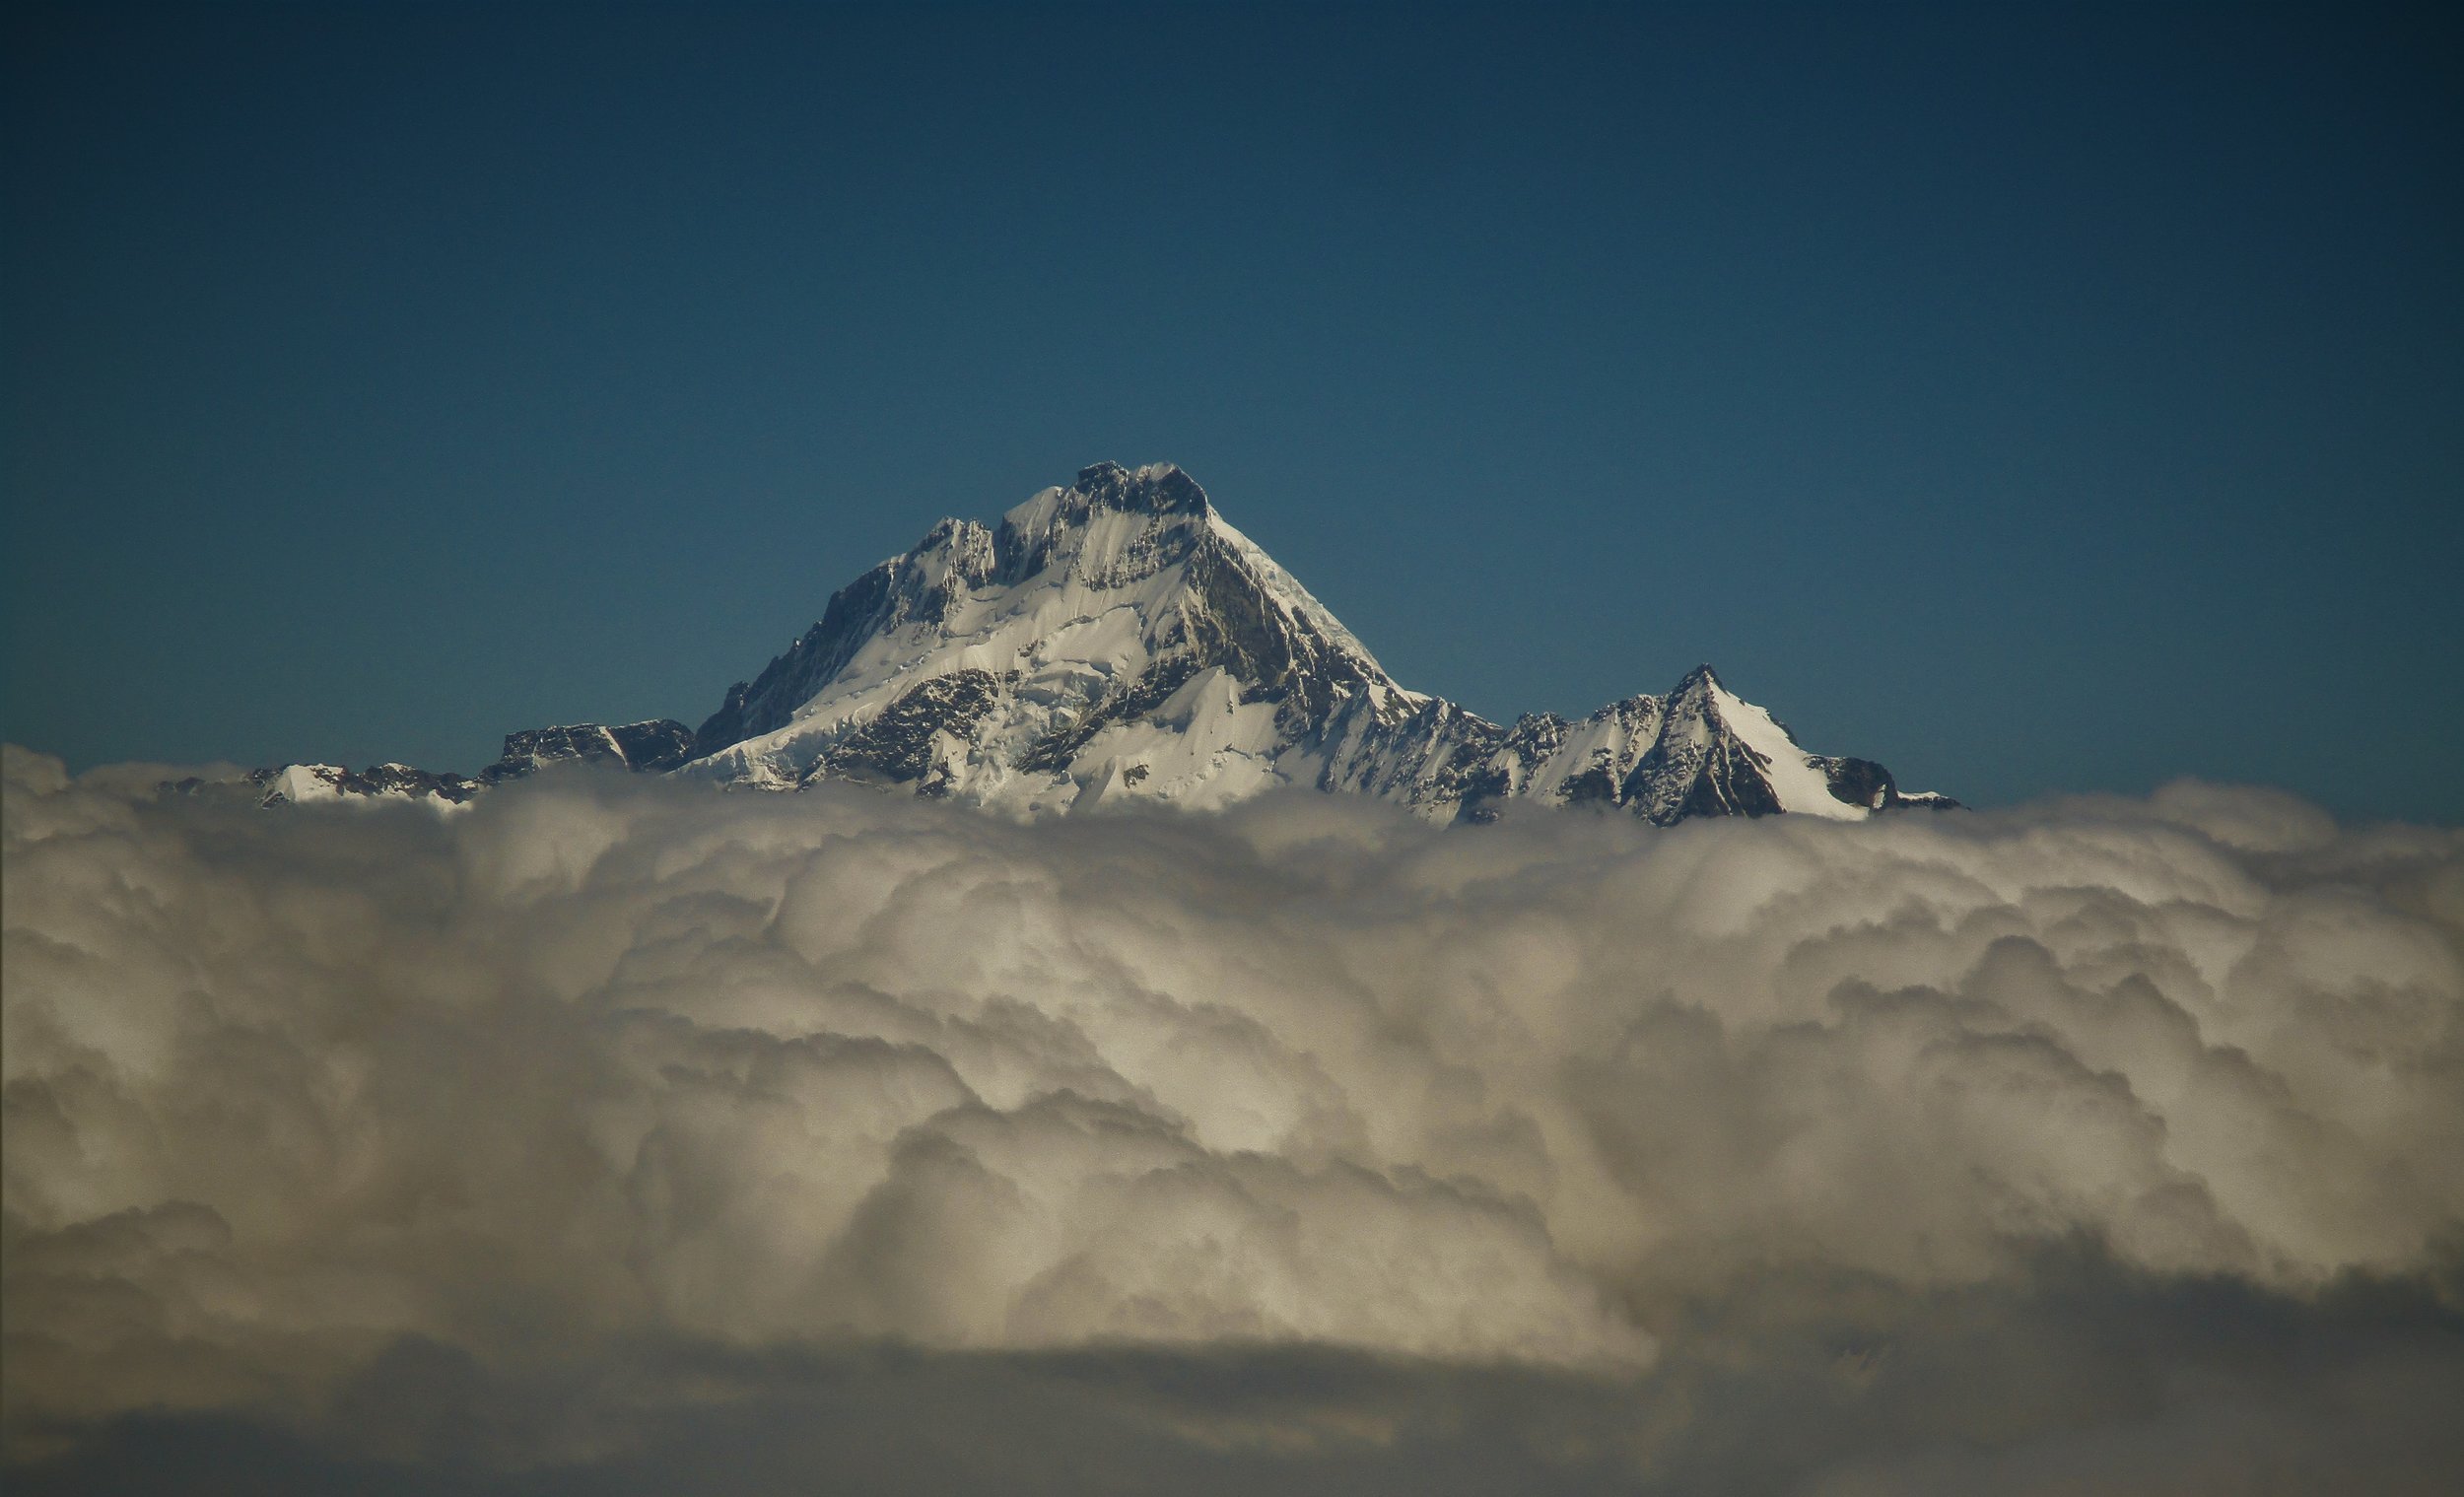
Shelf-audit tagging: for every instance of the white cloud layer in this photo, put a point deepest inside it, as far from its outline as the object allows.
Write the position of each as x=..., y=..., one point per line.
x=600, y=1065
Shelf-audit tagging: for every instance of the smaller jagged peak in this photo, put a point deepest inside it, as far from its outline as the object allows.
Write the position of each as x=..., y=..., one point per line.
x=1640, y=705
x=1704, y=692
x=1696, y=697
x=953, y=531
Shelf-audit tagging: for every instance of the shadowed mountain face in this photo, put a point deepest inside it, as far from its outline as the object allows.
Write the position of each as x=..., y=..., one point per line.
x=1116, y=640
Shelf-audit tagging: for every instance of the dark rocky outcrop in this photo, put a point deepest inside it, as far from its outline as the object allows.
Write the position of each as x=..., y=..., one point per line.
x=659, y=744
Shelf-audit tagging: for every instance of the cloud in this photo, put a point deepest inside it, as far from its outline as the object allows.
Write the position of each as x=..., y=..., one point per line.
x=606, y=1121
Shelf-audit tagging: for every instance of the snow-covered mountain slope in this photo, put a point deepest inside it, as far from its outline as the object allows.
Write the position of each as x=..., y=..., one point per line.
x=1117, y=641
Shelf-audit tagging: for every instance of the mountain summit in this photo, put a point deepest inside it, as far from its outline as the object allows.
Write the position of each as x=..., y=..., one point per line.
x=1118, y=640
x=1118, y=620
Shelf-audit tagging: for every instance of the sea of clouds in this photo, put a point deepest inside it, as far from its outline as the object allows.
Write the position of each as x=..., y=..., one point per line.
x=613, y=1135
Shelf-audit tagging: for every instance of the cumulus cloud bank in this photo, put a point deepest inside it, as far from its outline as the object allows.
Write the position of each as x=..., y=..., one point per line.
x=612, y=1130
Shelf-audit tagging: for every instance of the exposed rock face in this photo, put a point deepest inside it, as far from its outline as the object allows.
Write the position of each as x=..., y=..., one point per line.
x=918, y=739
x=659, y=744
x=1116, y=640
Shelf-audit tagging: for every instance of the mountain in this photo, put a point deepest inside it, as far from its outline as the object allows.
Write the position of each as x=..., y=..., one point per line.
x=1116, y=640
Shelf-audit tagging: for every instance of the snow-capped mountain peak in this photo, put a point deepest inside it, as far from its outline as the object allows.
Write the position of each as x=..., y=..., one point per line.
x=1116, y=640
x=988, y=664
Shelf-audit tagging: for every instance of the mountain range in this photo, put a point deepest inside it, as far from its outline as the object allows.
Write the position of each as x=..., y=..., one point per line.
x=1116, y=640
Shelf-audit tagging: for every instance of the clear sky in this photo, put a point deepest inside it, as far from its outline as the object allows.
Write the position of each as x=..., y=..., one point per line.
x=2034, y=398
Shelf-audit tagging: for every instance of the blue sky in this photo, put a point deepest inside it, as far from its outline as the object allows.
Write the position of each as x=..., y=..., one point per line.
x=2036, y=400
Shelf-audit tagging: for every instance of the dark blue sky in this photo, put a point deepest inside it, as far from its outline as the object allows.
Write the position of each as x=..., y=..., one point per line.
x=2035, y=401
